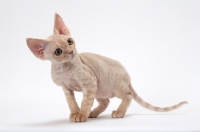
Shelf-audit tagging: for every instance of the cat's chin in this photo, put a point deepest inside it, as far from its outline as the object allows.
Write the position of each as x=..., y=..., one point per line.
x=73, y=55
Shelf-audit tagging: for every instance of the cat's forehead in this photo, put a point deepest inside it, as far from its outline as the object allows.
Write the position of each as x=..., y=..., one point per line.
x=59, y=40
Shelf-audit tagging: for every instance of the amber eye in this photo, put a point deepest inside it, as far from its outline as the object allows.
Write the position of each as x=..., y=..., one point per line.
x=70, y=41
x=58, y=52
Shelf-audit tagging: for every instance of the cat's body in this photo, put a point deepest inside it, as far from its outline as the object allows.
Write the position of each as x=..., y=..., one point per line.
x=96, y=76
x=110, y=74
x=102, y=69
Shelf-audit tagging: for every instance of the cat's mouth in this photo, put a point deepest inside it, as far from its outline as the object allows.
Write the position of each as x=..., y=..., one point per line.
x=72, y=54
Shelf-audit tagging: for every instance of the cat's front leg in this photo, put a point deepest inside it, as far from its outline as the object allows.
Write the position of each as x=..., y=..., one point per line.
x=73, y=106
x=89, y=94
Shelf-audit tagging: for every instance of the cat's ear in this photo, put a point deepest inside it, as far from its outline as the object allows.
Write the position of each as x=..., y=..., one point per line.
x=59, y=26
x=37, y=47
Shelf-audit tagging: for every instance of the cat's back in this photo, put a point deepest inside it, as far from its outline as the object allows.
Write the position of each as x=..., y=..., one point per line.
x=96, y=60
x=103, y=66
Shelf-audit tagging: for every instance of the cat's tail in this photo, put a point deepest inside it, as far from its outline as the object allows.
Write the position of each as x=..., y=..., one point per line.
x=144, y=104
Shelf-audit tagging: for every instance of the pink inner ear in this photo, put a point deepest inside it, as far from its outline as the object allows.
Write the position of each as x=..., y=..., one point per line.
x=59, y=26
x=37, y=47
x=41, y=51
x=61, y=31
x=64, y=31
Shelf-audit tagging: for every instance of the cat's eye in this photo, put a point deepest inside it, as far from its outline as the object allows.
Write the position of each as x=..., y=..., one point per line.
x=58, y=52
x=70, y=41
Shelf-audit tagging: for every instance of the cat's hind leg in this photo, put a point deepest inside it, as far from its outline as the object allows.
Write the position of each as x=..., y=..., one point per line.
x=103, y=104
x=126, y=95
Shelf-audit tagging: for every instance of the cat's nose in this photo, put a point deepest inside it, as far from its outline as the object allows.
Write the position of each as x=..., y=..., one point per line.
x=71, y=52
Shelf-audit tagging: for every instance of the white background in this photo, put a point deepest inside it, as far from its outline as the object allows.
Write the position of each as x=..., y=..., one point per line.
x=157, y=41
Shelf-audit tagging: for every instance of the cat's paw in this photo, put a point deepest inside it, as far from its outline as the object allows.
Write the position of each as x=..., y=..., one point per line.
x=77, y=117
x=117, y=114
x=93, y=115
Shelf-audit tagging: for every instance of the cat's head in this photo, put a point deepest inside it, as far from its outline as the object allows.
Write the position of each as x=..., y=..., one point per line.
x=59, y=47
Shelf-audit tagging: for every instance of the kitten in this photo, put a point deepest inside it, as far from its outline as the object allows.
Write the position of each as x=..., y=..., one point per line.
x=96, y=76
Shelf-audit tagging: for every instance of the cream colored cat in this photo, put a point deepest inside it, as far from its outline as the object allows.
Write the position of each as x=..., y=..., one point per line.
x=96, y=76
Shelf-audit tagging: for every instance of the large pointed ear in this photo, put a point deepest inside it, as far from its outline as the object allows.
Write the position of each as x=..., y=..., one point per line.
x=59, y=26
x=37, y=47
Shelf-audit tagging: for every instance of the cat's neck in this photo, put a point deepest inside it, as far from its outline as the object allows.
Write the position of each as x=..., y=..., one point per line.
x=74, y=61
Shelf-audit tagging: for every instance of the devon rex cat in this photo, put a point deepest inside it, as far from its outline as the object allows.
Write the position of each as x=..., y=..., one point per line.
x=96, y=76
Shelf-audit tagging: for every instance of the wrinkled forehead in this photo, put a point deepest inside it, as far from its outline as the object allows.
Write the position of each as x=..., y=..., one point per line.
x=58, y=40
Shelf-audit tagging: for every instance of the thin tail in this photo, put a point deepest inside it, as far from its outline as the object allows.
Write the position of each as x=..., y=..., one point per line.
x=154, y=108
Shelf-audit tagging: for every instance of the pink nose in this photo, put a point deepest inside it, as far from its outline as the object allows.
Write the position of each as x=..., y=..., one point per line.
x=71, y=52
